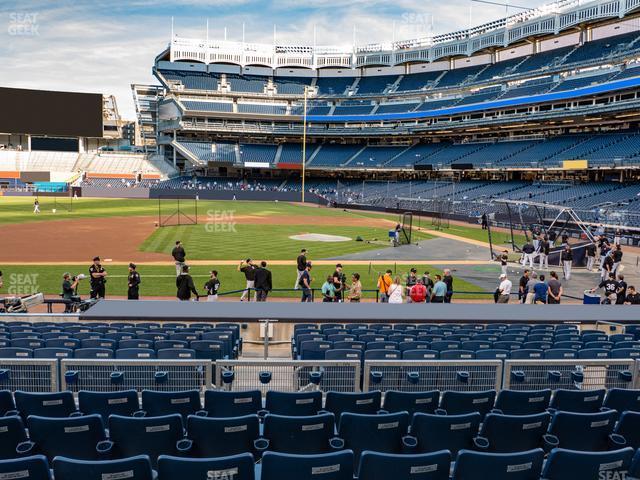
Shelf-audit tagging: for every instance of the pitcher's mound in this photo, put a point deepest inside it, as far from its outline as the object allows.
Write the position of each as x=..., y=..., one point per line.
x=319, y=237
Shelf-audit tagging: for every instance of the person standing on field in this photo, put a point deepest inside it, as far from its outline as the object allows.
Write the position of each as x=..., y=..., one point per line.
x=98, y=279
x=301, y=264
x=590, y=250
x=305, y=284
x=504, y=289
x=133, y=283
x=566, y=256
x=263, y=283
x=212, y=286
x=384, y=282
x=185, y=285
x=36, y=206
x=179, y=257
x=248, y=268
x=554, y=289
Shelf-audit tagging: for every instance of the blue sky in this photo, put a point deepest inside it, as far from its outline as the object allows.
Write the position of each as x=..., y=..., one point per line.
x=105, y=45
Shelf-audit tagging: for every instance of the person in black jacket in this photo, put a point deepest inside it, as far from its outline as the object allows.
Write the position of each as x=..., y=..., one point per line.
x=590, y=250
x=263, y=283
x=301, y=265
x=179, y=256
x=185, y=286
x=97, y=279
x=566, y=258
x=133, y=291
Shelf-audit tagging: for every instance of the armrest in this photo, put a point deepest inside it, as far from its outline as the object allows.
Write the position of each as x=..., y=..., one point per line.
x=409, y=444
x=481, y=443
x=336, y=443
x=440, y=411
x=552, y=411
x=104, y=449
x=24, y=449
x=261, y=444
x=497, y=411
x=184, y=446
x=139, y=414
x=76, y=414
x=202, y=413
x=262, y=413
x=550, y=442
x=12, y=413
x=322, y=411
x=617, y=441
x=383, y=412
x=605, y=409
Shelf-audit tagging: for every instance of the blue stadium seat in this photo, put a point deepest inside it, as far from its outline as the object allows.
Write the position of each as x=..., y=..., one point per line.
x=522, y=402
x=162, y=344
x=629, y=427
x=384, y=466
x=563, y=464
x=57, y=404
x=380, y=354
x=124, y=403
x=185, y=403
x=594, y=353
x=71, y=343
x=382, y=345
x=580, y=401
x=526, y=353
x=442, y=345
x=499, y=466
x=135, y=467
x=313, y=350
x=209, y=349
x=150, y=436
x=344, y=354
x=445, y=432
x=622, y=400
x=411, y=402
x=512, y=433
x=367, y=403
x=94, y=353
x=285, y=466
x=133, y=353
x=420, y=355
x=589, y=432
x=460, y=403
x=236, y=467
x=31, y=343
x=53, y=353
x=493, y=354
x=625, y=353
x=357, y=345
x=219, y=437
x=379, y=433
x=135, y=343
x=32, y=468
x=300, y=435
x=13, y=352
x=457, y=355
x=12, y=433
x=293, y=403
x=176, y=354
x=75, y=437
x=6, y=402
x=220, y=403
x=559, y=353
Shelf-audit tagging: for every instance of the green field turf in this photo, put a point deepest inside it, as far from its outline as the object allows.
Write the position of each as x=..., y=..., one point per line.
x=268, y=242
x=160, y=280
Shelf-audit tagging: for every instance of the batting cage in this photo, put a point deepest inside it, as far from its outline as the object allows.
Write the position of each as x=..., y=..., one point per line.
x=406, y=227
x=176, y=211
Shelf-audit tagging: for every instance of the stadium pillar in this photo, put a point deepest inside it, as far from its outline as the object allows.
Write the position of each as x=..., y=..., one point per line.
x=28, y=143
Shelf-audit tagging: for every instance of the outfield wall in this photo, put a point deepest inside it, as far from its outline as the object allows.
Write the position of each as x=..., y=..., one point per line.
x=248, y=195
x=114, y=192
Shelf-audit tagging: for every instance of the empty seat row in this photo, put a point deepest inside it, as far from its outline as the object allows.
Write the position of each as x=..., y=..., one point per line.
x=469, y=465
x=222, y=403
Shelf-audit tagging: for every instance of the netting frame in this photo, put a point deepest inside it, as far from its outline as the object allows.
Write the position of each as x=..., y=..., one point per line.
x=177, y=211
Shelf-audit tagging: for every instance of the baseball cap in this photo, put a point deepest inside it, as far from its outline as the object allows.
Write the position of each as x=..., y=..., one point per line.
x=503, y=275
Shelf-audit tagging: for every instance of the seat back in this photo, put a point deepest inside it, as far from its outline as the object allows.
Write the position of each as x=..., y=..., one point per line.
x=34, y=467
x=563, y=464
x=499, y=466
x=622, y=400
x=422, y=466
x=235, y=467
x=55, y=404
x=583, y=431
x=94, y=353
x=220, y=403
x=286, y=466
x=581, y=401
x=459, y=403
x=365, y=403
x=514, y=433
x=124, y=403
x=137, y=467
x=523, y=402
x=445, y=432
x=301, y=435
x=293, y=403
x=150, y=436
x=75, y=437
x=629, y=427
x=219, y=437
x=157, y=404
x=411, y=402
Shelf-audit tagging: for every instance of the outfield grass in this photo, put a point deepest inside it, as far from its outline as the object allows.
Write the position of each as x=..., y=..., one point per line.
x=160, y=280
x=270, y=242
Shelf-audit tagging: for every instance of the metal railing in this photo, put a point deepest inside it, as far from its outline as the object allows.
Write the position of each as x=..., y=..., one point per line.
x=29, y=374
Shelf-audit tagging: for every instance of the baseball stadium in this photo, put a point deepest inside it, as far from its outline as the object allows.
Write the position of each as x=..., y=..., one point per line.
x=408, y=260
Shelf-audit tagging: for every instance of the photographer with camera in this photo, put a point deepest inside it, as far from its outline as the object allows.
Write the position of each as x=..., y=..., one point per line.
x=98, y=277
x=69, y=290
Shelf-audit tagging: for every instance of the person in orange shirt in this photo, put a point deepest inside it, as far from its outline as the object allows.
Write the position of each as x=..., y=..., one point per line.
x=384, y=282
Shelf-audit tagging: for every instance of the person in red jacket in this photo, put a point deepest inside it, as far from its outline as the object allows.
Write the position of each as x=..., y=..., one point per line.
x=418, y=292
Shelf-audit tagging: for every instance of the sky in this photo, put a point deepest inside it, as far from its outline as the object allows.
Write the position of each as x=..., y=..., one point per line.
x=104, y=46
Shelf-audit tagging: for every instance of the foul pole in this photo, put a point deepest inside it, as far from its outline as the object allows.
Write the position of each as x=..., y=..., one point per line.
x=304, y=139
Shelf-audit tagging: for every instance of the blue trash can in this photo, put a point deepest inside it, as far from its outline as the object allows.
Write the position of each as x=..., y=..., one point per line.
x=591, y=298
